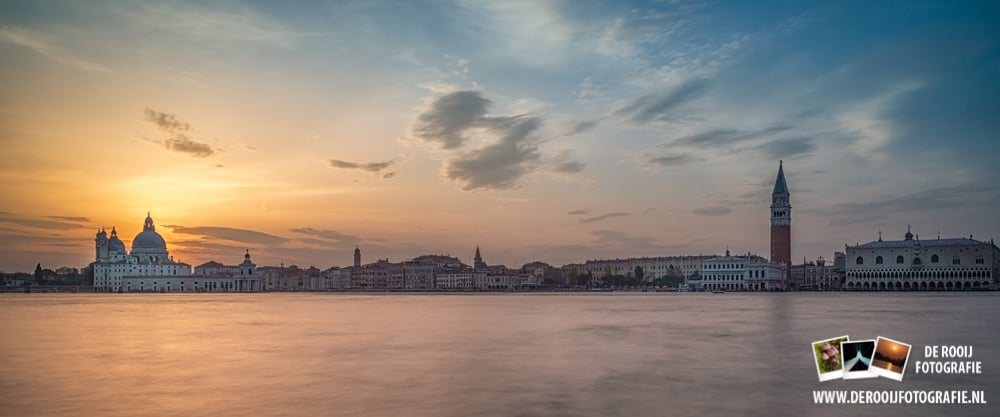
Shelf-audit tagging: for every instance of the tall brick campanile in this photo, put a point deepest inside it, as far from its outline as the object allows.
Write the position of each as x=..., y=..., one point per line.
x=781, y=224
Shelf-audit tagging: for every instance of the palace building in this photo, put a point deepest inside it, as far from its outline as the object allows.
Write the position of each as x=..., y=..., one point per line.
x=914, y=264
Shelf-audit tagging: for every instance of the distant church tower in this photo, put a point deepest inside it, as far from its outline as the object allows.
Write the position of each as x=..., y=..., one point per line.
x=247, y=267
x=478, y=260
x=101, y=244
x=781, y=223
x=357, y=257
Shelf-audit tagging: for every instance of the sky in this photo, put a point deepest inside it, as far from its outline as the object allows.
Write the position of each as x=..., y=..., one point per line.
x=558, y=131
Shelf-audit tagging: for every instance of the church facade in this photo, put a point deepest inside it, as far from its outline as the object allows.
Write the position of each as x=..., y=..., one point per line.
x=148, y=267
x=148, y=258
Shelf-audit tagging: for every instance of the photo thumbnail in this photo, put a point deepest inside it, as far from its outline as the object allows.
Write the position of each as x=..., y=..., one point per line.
x=857, y=357
x=890, y=358
x=829, y=361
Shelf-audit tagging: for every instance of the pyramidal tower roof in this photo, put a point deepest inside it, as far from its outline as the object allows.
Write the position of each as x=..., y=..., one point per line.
x=780, y=187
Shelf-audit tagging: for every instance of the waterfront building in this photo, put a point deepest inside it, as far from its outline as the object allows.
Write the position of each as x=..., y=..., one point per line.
x=337, y=278
x=740, y=273
x=914, y=264
x=652, y=267
x=763, y=275
x=816, y=276
x=781, y=223
x=209, y=277
x=464, y=279
x=148, y=258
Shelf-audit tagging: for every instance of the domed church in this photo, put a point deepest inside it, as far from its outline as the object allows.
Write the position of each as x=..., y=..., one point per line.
x=149, y=258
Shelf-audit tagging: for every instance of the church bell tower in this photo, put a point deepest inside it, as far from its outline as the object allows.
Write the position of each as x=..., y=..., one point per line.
x=781, y=224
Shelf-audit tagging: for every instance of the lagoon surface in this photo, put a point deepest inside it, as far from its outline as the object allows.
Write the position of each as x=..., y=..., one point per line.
x=607, y=354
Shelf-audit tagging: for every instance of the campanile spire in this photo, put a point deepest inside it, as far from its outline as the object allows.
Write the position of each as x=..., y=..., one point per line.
x=781, y=222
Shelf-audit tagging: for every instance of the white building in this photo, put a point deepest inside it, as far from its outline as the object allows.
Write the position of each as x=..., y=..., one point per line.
x=741, y=273
x=149, y=258
x=762, y=275
x=914, y=264
x=150, y=268
x=457, y=279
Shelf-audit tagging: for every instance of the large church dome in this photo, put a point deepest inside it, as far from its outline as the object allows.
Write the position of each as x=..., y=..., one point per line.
x=148, y=242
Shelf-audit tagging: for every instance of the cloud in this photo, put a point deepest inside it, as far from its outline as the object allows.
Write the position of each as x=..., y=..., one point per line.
x=178, y=140
x=603, y=216
x=662, y=107
x=580, y=127
x=578, y=212
x=499, y=165
x=668, y=161
x=165, y=121
x=372, y=167
x=449, y=116
x=182, y=144
x=616, y=238
x=41, y=224
x=962, y=196
x=45, y=46
x=564, y=164
x=713, y=211
x=719, y=137
x=228, y=233
x=326, y=234
x=70, y=218
x=786, y=148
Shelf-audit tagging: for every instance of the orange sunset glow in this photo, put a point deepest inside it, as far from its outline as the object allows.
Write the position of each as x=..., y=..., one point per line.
x=533, y=132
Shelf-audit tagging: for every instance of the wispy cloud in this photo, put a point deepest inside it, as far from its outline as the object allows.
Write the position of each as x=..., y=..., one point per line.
x=178, y=140
x=667, y=106
x=326, y=234
x=578, y=212
x=229, y=233
x=713, y=211
x=67, y=224
x=787, y=148
x=372, y=167
x=76, y=219
x=45, y=45
x=603, y=217
x=580, y=127
x=565, y=164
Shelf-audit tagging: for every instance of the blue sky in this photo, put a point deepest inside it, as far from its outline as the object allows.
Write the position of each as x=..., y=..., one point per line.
x=551, y=130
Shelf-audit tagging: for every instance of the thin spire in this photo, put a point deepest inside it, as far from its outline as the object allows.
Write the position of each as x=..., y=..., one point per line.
x=780, y=186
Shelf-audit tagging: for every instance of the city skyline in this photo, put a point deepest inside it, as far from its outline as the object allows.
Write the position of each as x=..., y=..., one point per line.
x=551, y=131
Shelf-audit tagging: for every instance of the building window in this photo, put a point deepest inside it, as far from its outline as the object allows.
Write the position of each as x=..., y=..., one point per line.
x=916, y=261
x=979, y=259
x=878, y=260
x=899, y=259
x=861, y=261
x=934, y=259
x=956, y=261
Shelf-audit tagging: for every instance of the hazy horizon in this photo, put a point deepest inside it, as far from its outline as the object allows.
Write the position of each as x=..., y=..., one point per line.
x=553, y=130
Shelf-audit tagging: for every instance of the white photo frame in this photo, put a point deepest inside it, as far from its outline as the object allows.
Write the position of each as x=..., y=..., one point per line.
x=823, y=370
x=857, y=356
x=886, y=348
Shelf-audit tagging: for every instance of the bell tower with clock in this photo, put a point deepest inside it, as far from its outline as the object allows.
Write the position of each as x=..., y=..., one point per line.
x=781, y=224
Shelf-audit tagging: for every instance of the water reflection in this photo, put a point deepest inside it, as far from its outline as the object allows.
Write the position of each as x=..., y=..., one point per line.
x=461, y=355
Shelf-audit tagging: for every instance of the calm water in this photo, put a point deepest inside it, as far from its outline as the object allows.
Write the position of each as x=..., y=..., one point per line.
x=468, y=355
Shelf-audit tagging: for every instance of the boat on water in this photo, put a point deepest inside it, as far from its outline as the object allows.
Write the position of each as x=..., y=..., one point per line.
x=718, y=292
